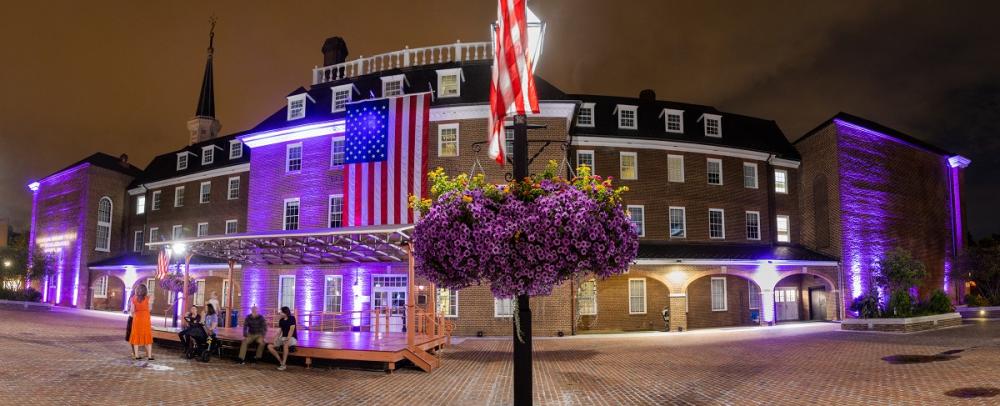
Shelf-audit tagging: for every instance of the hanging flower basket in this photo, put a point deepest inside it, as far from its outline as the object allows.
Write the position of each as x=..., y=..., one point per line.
x=174, y=283
x=525, y=237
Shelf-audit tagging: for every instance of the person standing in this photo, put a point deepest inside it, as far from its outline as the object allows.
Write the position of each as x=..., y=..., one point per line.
x=214, y=301
x=142, y=326
x=254, y=330
x=287, y=338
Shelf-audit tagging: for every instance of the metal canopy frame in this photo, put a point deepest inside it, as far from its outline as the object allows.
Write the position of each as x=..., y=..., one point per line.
x=303, y=247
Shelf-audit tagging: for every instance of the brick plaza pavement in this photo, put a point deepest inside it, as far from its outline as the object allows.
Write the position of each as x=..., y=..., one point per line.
x=80, y=358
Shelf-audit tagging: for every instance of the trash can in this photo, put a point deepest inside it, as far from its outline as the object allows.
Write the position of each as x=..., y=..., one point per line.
x=234, y=318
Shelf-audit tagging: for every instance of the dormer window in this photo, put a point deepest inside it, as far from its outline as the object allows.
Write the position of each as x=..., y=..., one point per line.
x=585, y=118
x=297, y=106
x=341, y=96
x=235, y=149
x=713, y=125
x=673, y=120
x=449, y=82
x=392, y=85
x=628, y=117
x=182, y=160
x=207, y=155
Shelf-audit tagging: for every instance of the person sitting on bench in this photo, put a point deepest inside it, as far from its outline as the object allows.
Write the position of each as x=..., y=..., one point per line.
x=287, y=338
x=191, y=319
x=254, y=330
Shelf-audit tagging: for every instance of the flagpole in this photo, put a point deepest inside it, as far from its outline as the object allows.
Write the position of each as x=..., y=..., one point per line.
x=522, y=323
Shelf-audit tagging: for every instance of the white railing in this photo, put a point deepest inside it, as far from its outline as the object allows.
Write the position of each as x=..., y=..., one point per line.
x=456, y=52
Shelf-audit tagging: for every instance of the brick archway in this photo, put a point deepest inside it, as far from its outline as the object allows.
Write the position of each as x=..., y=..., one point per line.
x=741, y=306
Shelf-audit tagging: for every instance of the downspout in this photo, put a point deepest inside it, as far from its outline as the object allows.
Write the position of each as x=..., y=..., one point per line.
x=772, y=216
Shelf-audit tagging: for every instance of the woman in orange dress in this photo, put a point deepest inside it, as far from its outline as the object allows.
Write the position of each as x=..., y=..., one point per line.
x=142, y=327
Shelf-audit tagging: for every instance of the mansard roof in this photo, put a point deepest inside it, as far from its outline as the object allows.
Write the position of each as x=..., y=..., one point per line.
x=105, y=161
x=164, y=166
x=871, y=125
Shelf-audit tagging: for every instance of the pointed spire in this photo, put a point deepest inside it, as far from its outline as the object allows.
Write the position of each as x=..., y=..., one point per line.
x=206, y=101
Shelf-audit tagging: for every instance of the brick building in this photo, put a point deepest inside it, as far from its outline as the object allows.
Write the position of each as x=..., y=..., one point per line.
x=738, y=226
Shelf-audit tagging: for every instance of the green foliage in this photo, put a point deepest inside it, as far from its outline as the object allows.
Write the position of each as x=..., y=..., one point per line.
x=21, y=264
x=21, y=295
x=982, y=263
x=898, y=270
x=939, y=303
x=867, y=305
x=976, y=300
x=900, y=304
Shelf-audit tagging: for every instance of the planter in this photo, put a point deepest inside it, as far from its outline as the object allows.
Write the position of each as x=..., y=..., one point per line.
x=988, y=312
x=29, y=306
x=903, y=325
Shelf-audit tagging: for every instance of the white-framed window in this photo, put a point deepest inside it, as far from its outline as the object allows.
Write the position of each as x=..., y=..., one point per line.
x=151, y=289
x=628, y=165
x=503, y=307
x=753, y=225
x=637, y=214
x=449, y=82
x=448, y=139
x=341, y=96
x=586, y=298
x=585, y=157
x=155, y=205
x=713, y=125
x=202, y=229
x=628, y=117
x=225, y=294
x=101, y=288
x=637, y=296
x=199, y=296
x=179, y=196
x=235, y=149
x=336, y=214
x=154, y=234
x=293, y=157
x=231, y=226
x=716, y=224
x=678, y=222
x=447, y=302
x=140, y=204
x=333, y=294
x=182, y=160
x=296, y=107
x=291, y=214
x=137, y=241
x=754, y=294
x=780, y=181
x=673, y=120
x=784, y=228
x=233, y=188
x=205, y=192
x=392, y=85
x=104, y=211
x=749, y=175
x=714, y=171
x=675, y=168
x=286, y=291
x=177, y=232
x=337, y=152
x=585, y=117
x=719, y=294
x=207, y=155
x=508, y=135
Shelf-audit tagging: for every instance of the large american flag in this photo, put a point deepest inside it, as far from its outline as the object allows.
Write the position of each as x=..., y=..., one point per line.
x=512, y=90
x=385, y=159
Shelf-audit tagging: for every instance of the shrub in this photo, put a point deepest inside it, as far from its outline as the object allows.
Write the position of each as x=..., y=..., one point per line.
x=900, y=304
x=867, y=305
x=898, y=270
x=939, y=303
x=974, y=300
x=28, y=295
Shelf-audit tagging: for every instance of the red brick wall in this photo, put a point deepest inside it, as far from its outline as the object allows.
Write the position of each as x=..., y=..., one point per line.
x=613, y=306
x=215, y=212
x=737, y=313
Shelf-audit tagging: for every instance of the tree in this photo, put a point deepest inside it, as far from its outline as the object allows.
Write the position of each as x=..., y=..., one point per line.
x=981, y=263
x=898, y=270
x=16, y=263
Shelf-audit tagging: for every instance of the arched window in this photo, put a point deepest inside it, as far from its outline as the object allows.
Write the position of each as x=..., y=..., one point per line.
x=104, y=224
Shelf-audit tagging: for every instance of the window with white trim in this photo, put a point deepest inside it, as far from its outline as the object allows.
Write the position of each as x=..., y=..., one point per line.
x=235, y=149
x=101, y=288
x=449, y=82
x=333, y=294
x=503, y=307
x=508, y=135
x=448, y=139
x=341, y=96
x=673, y=120
x=231, y=226
x=784, y=229
x=336, y=214
x=207, y=155
x=202, y=229
x=714, y=171
x=678, y=222
x=225, y=294
x=586, y=298
x=392, y=85
x=675, y=168
x=713, y=125
x=293, y=157
x=296, y=107
x=286, y=291
x=719, y=294
x=199, y=295
x=585, y=157
x=177, y=232
x=637, y=296
x=182, y=161
x=205, y=192
x=753, y=225
x=749, y=175
x=628, y=165
x=104, y=212
x=585, y=117
x=137, y=241
x=179, y=196
x=233, y=188
x=151, y=289
x=780, y=181
x=716, y=224
x=155, y=205
x=140, y=204
x=628, y=117
x=154, y=234
x=337, y=151
x=755, y=298
x=447, y=302
x=637, y=215
x=291, y=214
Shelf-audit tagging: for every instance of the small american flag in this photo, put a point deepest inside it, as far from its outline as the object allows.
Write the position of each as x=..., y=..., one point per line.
x=385, y=159
x=162, y=264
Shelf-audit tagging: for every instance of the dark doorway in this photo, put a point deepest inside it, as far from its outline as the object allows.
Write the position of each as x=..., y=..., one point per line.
x=817, y=303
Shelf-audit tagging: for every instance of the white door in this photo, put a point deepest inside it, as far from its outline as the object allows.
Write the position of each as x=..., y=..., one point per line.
x=786, y=303
x=389, y=295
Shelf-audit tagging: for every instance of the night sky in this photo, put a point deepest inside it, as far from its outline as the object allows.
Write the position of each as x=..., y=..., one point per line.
x=121, y=76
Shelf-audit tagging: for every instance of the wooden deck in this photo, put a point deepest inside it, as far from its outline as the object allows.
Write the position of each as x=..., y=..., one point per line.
x=387, y=348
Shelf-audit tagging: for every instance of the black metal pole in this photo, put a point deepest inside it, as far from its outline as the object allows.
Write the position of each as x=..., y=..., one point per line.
x=522, y=344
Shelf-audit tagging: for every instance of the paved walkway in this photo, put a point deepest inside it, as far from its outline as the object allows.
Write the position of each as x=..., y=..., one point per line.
x=80, y=358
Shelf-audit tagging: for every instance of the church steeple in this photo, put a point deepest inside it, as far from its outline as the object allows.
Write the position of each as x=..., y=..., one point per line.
x=204, y=126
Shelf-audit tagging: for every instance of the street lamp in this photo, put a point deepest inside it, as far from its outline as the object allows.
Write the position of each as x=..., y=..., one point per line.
x=7, y=263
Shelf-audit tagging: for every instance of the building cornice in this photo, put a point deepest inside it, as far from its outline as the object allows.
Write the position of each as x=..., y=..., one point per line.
x=482, y=111
x=734, y=262
x=229, y=170
x=613, y=142
x=787, y=163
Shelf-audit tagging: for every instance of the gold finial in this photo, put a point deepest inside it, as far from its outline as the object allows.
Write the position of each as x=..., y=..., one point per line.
x=211, y=34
